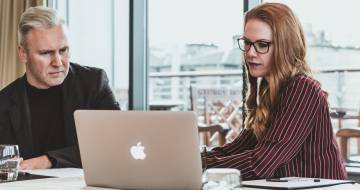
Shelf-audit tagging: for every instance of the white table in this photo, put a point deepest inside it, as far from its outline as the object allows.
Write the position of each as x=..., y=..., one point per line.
x=73, y=179
x=66, y=178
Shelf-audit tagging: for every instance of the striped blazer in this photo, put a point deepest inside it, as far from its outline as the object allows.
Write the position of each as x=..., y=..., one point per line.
x=299, y=141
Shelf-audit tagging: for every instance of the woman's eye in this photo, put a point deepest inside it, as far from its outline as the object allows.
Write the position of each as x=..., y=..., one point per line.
x=247, y=43
x=262, y=44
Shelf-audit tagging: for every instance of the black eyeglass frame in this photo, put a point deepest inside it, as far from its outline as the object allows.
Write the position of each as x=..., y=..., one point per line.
x=268, y=43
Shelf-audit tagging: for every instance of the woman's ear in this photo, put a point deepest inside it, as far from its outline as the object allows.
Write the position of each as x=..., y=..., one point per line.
x=22, y=53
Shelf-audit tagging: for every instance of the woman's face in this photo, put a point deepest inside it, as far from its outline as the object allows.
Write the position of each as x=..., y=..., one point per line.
x=259, y=33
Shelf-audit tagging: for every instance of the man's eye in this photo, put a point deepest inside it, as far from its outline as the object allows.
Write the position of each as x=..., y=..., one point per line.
x=45, y=53
x=63, y=50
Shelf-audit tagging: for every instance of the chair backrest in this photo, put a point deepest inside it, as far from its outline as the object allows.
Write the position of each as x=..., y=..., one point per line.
x=218, y=106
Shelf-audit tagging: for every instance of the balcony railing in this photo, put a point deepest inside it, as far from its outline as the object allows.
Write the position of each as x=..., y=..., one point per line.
x=168, y=86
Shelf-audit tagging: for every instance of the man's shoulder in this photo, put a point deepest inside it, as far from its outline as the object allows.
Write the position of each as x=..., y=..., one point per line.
x=8, y=92
x=88, y=77
x=86, y=71
x=10, y=88
x=86, y=74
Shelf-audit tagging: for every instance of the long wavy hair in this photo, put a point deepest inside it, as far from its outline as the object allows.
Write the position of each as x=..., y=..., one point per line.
x=288, y=60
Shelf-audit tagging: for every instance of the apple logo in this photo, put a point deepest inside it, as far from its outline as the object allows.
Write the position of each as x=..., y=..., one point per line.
x=137, y=152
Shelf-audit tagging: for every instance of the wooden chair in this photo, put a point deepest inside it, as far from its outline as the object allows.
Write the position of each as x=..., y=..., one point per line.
x=219, y=113
x=346, y=133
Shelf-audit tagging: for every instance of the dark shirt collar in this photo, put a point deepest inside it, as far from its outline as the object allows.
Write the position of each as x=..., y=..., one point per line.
x=33, y=89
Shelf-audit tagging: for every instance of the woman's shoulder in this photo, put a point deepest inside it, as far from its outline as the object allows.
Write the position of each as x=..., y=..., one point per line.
x=302, y=85
x=304, y=81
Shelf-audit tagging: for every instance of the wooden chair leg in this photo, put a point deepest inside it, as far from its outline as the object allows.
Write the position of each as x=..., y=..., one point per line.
x=344, y=147
x=222, y=139
x=206, y=138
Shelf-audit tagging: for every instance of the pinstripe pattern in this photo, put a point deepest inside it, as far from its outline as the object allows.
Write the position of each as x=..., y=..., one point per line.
x=299, y=141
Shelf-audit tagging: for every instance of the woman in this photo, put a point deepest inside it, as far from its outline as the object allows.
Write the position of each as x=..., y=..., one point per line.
x=287, y=127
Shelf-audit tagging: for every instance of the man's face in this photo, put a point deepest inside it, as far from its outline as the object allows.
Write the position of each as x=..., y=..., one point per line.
x=46, y=55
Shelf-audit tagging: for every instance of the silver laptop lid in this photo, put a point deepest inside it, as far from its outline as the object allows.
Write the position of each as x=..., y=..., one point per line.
x=139, y=150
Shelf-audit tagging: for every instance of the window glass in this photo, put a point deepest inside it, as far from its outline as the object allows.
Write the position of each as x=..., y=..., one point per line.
x=192, y=43
x=99, y=37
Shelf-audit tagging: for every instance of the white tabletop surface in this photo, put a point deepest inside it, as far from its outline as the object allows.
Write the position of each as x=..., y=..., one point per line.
x=73, y=179
x=66, y=178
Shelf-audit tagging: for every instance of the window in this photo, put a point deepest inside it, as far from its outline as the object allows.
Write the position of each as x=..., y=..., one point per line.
x=193, y=43
x=99, y=37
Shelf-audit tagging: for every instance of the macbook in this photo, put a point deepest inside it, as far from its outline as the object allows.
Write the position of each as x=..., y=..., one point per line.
x=139, y=149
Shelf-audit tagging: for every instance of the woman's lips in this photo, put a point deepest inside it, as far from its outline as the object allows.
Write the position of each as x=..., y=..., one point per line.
x=253, y=64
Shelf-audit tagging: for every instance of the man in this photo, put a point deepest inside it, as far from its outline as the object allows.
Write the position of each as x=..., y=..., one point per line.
x=36, y=110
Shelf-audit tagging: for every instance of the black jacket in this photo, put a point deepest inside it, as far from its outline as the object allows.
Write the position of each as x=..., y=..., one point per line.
x=83, y=88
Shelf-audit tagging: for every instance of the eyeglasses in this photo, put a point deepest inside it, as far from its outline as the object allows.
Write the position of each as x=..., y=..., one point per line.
x=260, y=46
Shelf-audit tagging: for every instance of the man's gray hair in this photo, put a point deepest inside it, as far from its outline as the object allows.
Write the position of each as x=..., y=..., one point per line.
x=35, y=17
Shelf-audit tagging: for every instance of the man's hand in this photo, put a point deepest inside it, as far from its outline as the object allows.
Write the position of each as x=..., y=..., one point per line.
x=41, y=162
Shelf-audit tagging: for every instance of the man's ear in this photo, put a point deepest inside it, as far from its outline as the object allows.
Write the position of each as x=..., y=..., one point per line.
x=22, y=53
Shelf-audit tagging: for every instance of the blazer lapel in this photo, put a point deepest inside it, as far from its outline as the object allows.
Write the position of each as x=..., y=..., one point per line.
x=20, y=119
x=72, y=101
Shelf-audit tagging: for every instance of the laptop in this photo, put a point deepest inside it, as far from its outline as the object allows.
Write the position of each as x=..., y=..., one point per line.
x=139, y=149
